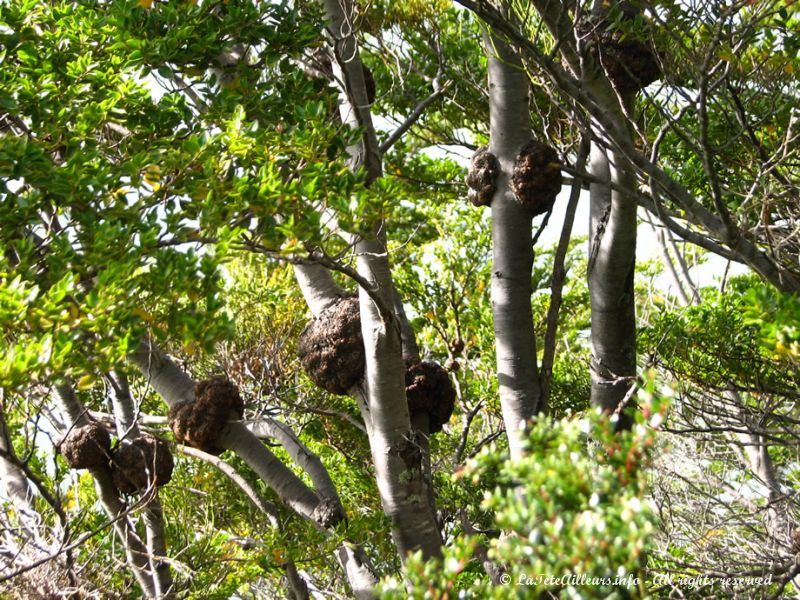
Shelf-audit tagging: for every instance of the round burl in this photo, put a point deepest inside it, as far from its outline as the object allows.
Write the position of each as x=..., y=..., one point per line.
x=87, y=446
x=630, y=63
x=482, y=177
x=332, y=349
x=536, y=179
x=328, y=513
x=220, y=395
x=428, y=389
x=199, y=423
x=140, y=463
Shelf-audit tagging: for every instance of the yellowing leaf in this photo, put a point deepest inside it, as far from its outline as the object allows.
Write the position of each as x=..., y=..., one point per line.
x=85, y=382
x=145, y=3
x=69, y=500
x=143, y=315
x=152, y=176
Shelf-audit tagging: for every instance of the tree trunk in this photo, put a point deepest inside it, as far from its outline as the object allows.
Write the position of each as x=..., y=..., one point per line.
x=395, y=451
x=512, y=249
x=395, y=448
x=289, y=488
x=612, y=263
x=153, y=516
x=18, y=490
x=175, y=386
x=135, y=550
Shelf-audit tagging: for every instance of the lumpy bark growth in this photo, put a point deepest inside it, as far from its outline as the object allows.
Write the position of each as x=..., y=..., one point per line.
x=482, y=177
x=138, y=464
x=536, y=179
x=198, y=423
x=332, y=349
x=87, y=446
x=629, y=60
x=429, y=390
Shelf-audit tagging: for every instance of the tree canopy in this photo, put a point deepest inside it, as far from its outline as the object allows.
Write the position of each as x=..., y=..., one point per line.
x=293, y=303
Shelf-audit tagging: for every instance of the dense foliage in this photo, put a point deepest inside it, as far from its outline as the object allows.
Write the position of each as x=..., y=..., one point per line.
x=171, y=169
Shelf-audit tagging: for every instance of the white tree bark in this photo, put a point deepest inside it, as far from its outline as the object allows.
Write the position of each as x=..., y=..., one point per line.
x=612, y=263
x=396, y=456
x=555, y=15
x=18, y=489
x=175, y=386
x=512, y=249
x=300, y=454
x=318, y=287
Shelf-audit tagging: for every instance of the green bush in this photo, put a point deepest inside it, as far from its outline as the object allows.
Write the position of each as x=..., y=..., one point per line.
x=573, y=516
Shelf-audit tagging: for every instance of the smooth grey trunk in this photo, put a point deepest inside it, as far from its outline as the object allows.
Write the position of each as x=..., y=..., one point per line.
x=171, y=382
x=288, y=486
x=266, y=507
x=359, y=570
x=745, y=249
x=71, y=408
x=396, y=454
x=176, y=386
x=300, y=454
x=512, y=250
x=153, y=517
x=123, y=405
x=135, y=550
x=612, y=263
x=318, y=287
x=18, y=489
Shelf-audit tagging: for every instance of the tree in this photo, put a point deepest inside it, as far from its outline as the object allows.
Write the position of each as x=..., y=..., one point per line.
x=183, y=184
